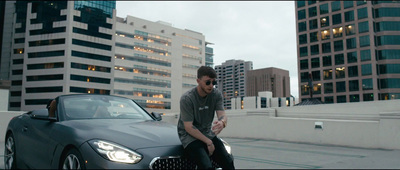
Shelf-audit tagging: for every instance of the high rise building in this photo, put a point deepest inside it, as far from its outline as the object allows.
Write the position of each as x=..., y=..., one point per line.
x=209, y=55
x=156, y=63
x=57, y=47
x=270, y=79
x=231, y=79
x=349, y=49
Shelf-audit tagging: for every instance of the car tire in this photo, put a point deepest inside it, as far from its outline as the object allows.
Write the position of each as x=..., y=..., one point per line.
x=72, y=160
x=9, y=152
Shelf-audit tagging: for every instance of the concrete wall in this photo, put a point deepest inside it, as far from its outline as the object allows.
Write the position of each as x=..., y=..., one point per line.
x=4, y=93
x=366, y=124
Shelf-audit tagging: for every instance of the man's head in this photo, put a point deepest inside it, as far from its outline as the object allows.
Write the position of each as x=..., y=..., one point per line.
x=206, y=79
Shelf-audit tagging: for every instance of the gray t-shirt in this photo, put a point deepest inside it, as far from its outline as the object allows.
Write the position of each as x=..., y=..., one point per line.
x=200, y=111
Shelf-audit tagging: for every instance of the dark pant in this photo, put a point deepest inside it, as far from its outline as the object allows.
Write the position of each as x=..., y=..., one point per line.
x=197, y=151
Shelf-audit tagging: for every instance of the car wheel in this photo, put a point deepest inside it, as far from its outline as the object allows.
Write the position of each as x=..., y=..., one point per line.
x=9, y=153
x=72, y=160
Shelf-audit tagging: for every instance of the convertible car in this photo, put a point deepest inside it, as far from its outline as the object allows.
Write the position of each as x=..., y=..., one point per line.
x=89, y=131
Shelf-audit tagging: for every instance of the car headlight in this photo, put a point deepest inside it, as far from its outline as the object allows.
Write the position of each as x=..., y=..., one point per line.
x=227, y=146
x=114, y=152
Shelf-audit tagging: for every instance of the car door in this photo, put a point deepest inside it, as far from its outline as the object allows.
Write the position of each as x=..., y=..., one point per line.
x=37, y=142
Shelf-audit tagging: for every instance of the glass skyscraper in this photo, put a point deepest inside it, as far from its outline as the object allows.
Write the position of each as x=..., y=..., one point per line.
x=59, y=47
x=350, y=50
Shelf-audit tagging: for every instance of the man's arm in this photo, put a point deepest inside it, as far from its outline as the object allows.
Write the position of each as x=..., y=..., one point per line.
x=193, y=131
x=221, y=122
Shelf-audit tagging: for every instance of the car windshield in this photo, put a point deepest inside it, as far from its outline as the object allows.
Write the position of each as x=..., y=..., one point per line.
x=102, y=107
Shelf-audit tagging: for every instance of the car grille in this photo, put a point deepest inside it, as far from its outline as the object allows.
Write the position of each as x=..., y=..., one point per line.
x=174, y=162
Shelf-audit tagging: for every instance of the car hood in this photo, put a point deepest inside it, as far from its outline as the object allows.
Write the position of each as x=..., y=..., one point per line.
x=129, y=133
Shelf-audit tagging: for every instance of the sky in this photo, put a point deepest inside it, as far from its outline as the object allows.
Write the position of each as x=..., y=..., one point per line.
x=263, y=32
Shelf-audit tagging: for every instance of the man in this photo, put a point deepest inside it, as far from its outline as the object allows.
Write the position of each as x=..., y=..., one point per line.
x=197, y=109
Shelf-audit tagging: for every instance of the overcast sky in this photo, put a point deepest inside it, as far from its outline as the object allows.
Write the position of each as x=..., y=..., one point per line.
x=263, y=32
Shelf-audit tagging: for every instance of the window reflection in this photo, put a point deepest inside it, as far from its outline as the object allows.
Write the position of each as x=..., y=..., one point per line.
x=325, y=34
x=324, y=21
x=350, y=29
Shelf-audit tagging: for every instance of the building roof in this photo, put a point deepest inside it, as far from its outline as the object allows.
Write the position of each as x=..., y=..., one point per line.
x=311, y=101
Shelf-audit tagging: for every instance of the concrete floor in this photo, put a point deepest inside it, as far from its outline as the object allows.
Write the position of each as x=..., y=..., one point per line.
x=268, y=154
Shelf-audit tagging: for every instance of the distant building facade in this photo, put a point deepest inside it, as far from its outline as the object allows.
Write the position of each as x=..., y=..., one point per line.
x=57, y=47
x=232, y=79
x=270, y=79
x=156, y=63
x=351, y=49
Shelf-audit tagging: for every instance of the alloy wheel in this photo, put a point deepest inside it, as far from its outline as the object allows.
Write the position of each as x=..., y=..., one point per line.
x=71, y=162
x=9, y=153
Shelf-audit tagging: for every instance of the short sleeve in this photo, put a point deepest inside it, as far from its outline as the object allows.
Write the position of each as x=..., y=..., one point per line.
x=187, y=111
x=220, y=104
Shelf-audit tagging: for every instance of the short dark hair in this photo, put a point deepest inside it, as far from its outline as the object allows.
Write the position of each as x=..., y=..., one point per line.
x=206, y=71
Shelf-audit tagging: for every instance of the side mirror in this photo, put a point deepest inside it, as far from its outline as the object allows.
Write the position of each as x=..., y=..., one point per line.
x=157, y=116
x=42, y=114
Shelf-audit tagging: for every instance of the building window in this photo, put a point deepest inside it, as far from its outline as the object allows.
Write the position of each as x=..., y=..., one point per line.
x=302, y=26
x=353, y=71
x=363, y=27
x=362, y=13
x=340, y=72
x=365, y=55
x=389, y=83
x=387, y=26
x=354, y=98
x=341, y=99
x=303, y=51
x=349, y=16
x=301, y=14
x=389, y=69
x=339, y=59
x=364, y=41
x=328, y=74
x=361, y=3
x=366, y=69
x=314, y=49
x=326, y=60
x=317, y=88
x=388, y=40
x=328, y=88
x=313, y=24
x=303, y=39
x=367, y=84
x=368, y=97
x=348, y=4
x=351, y=43
x=336, y=19
x=305, y=90
x=324, y=21
x=325, y=34
x=352, y=57
x=387, y=12
x=388, y=54
x=335, y=6
x=301, y=4
x=323, y=9
x=312, y=12
x=44, y=89
x=314, y=62
x=340, y=87
x=312, y=2
x=326, y=47
x=313, y=36
x=353, y=85
x=304, y=77
x=316, y=75
x=350, y=29
x=337, y=32
x=328, y=99
x=338, y=45
x=303, y=64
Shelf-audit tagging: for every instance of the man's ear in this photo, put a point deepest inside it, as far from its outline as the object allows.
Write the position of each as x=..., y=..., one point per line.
x=198, y=81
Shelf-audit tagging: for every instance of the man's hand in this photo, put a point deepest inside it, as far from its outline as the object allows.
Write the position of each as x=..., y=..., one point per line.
x=217, y=127
x=210, y=148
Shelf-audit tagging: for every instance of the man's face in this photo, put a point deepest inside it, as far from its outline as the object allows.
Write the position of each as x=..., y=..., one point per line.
x=206, y=84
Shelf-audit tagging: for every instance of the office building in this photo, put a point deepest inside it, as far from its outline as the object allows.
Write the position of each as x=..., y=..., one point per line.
x=156, y=63
x=270, y=79
x=57, y=47
x=231, y=79
x=350, y=49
